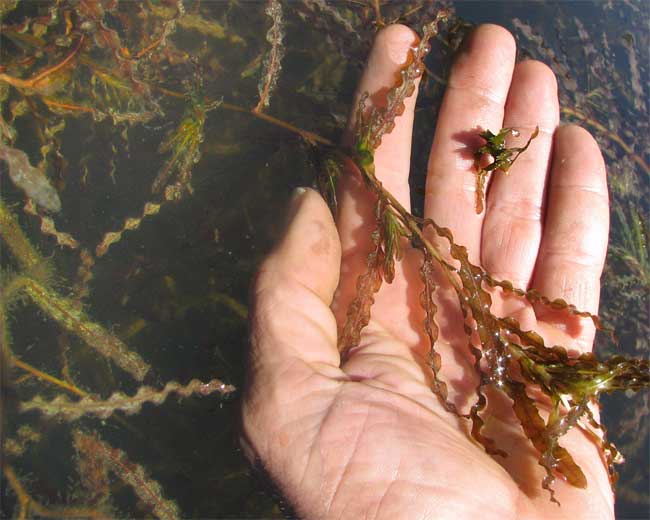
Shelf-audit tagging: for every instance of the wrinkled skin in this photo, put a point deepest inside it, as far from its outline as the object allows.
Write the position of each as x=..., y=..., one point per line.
x=367, y=438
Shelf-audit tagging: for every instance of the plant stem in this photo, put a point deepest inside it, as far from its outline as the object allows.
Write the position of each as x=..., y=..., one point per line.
x=410, y=222
x=378, y=18
x=34, y=80
x=65, y=312
x=305, y=134
x=47, y=377
x=67, y=106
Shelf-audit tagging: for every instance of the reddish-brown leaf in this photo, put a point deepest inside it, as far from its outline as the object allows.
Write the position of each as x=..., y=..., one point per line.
x=439, y=387
x=359, y=311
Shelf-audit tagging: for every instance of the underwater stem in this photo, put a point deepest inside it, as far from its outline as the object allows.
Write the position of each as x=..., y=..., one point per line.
x=410, y=222
x=305, y=134
x=378, y=18
x=47, y=377
x=34, y=80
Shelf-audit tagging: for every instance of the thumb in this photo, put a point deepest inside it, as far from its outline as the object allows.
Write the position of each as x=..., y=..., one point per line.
x=291, y=317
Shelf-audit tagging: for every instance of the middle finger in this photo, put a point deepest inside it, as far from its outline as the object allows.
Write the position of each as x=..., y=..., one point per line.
x=513, y=221
x=474, y=101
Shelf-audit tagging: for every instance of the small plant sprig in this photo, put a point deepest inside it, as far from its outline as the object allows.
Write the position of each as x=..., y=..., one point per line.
x=507, y=357
x=273, y=60
x=502, y=158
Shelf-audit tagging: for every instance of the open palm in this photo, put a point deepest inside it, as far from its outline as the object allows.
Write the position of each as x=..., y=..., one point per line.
x=367, y=438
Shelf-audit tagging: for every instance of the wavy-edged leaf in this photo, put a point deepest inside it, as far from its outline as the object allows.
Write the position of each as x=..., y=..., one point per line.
x=553, y=457
x=133, y=475
x=558, y=372
x=272, y=63
x=62, y=407
x=49, y=228
x=381, y=121
x=475, y=303
x=130, y=224
x=534, y=296
x=368, y=284
x=427, y=274
x=611, y=454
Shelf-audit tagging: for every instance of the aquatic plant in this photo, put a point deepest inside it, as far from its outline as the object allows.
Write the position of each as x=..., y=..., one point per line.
x=96, y=454
x=501, y=156
x=273, y=60
x=515, y=358
x=35, y=283
x=598, y=75
x=32, y=181
x=115, y=91
x=103, y=100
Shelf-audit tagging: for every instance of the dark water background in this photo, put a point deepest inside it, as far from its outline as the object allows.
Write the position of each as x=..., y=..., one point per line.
x=167, y=289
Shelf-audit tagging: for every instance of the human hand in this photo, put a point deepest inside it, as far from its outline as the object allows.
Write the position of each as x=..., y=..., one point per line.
x=367, y=438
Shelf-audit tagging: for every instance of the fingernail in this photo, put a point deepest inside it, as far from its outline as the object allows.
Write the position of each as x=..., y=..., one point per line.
x=293, y=204
x=298, y=193
x=294, y=201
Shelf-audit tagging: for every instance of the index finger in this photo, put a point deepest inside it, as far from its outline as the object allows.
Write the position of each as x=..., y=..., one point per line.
x=356, y=218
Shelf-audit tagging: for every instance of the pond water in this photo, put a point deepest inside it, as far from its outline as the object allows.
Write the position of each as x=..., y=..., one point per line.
x=130, y=96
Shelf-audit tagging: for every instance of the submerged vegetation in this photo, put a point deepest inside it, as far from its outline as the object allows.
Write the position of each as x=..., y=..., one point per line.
x=112, y=115
x=515, y=357
x=502, y=157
